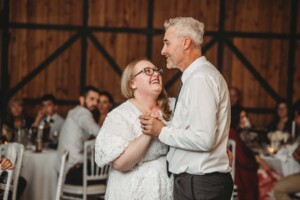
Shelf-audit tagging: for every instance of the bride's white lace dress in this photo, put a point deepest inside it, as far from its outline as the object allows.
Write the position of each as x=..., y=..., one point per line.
x=148, y=179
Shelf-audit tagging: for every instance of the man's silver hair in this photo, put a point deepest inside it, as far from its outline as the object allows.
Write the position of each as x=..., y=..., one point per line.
x=187, y=27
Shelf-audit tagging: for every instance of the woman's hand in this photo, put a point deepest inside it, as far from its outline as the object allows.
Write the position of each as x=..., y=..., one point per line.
x=6, y=164
x=151, y=125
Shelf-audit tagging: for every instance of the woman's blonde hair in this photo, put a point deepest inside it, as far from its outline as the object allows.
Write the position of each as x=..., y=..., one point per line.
x=128, y=92
x=16, y=100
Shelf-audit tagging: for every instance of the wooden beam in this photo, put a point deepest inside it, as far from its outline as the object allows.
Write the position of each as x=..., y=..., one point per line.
x=44, y=64
x=4, y=61
x=36, y=101
x=84, y=45
x=149, y=26
x=220, y=34
x=253, y=71
x=292, y=54
x=106, y=55
x=146, y=31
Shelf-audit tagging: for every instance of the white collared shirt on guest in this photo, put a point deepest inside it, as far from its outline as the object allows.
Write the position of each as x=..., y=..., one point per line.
x=78, y=127
x=55, y=121
x=199, y=130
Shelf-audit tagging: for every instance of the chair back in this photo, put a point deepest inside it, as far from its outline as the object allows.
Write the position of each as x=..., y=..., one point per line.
x=5, y=182
x=91, y=171
x=232, y=146
x=62, y=175
x=14, y=152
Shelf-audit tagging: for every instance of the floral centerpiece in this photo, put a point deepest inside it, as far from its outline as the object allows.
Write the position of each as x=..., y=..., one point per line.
x=277, y=139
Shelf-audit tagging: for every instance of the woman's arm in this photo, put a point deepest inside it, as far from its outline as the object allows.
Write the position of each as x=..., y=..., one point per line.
x=133, y=153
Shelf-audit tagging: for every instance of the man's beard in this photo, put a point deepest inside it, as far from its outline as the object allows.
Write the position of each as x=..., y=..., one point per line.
x=93, y=110
x=170, y=64
x=90, y=109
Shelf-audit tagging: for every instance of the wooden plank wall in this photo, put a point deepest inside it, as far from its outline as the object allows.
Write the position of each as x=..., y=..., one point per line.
x=28, y=48
x=1, y=35
x=269, y=56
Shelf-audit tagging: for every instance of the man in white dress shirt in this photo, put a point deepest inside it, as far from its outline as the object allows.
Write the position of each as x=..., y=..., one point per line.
x=200, y=126
x=48, y=115
x=78, y=127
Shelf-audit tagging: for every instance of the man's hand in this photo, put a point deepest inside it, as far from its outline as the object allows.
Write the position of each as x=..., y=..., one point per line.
x=41, y=113
x=230, y=157
x=151, y=125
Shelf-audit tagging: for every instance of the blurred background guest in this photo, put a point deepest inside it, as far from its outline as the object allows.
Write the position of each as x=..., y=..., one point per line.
x=239, y=118
x=8, y=162
x=247, y=163
x=47, y=115
x=246, y=177
x=240, y=122
x=78, y=127
x=16, y=118
x=290, y=184
x=281, y=120
x=6, y=134
x=105, y=106
x=296, y=122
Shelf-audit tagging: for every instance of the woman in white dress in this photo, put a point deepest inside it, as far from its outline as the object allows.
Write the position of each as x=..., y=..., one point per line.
x=138, y=161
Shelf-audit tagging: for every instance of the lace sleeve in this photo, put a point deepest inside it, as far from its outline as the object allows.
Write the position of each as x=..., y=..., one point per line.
x=113, y=138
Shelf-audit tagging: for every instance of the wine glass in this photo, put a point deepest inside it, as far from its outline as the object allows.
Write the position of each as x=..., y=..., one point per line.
x=29, y=138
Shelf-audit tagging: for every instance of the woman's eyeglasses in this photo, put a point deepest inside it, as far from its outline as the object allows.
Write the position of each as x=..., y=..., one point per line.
x=150, y=71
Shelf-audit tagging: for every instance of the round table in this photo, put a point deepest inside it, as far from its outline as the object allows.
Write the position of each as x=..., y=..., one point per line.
x=40, y=174
x=283, y=162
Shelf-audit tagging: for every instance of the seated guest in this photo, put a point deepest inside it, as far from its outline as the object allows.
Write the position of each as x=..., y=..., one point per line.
x=239, y=119
x=48, y=115
x=290, y=184
x=78, y=127
x=246, y=177
x=6, y=164
x=281, y=121
x=297, y=127
x=105, y=106
x=6, y=134
x=17, y=117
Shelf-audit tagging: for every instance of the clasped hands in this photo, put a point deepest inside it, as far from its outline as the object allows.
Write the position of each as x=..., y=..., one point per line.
x=151, y=124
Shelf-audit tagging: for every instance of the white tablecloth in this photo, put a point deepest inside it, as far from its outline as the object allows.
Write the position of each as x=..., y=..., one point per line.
x=41, y=177
x=284, y=168
x=283, y=162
